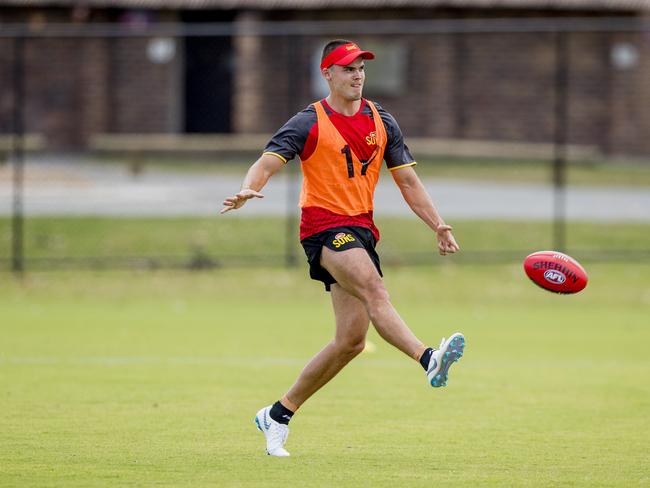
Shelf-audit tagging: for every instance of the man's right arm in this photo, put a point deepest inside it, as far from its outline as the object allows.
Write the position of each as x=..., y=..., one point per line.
x=256, y=178
x=285, y=144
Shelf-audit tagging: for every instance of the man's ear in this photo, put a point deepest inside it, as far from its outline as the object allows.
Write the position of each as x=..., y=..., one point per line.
x=326, y=73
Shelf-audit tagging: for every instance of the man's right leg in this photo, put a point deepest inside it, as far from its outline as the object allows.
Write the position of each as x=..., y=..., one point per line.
x=352, y=324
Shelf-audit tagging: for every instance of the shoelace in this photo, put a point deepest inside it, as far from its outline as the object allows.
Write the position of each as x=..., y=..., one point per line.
x=441, y=343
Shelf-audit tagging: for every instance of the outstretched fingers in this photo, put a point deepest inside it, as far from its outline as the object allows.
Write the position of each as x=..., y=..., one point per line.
x=227, y=206
x=236, y=201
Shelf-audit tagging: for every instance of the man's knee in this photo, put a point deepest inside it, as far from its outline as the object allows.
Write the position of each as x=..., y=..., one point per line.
x=375, y=293
x=352, y=347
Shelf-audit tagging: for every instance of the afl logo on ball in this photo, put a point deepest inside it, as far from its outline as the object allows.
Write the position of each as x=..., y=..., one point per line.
x=554, y=276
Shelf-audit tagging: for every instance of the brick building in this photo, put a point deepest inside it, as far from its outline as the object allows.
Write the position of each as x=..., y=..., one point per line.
x=458, y=81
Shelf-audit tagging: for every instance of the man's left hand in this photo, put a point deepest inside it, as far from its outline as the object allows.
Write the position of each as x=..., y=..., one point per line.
x=446, y=242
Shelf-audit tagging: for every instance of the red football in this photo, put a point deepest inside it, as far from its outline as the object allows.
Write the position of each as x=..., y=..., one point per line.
x=555, y=272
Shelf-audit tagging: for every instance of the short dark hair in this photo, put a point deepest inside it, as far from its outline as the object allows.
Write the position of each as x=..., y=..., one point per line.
x=330, y=46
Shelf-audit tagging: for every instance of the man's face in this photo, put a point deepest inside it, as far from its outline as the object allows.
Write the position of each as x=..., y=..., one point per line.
x=346, y=81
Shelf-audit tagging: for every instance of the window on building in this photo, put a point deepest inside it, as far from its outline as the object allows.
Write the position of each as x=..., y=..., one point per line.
x=386, y=74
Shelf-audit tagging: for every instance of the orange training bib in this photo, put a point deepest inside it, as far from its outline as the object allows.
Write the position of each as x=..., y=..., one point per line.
x=334, y=177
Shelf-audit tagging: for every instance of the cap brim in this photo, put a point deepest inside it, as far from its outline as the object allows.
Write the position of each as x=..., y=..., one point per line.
x=348, y=58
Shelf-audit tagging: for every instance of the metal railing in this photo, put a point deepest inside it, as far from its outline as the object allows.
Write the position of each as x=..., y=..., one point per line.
x=569, y=80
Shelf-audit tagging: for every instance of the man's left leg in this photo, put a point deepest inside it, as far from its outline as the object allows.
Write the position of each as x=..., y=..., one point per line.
x=355, y=273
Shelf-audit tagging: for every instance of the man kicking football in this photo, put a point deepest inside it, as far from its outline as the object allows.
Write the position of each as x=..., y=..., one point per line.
x=342, y=141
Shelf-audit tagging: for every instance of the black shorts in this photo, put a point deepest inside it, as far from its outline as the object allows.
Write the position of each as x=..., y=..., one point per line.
x=337, y=239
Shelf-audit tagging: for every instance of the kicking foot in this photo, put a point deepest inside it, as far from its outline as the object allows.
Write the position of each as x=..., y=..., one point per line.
x=276, y=433
x=450, y=351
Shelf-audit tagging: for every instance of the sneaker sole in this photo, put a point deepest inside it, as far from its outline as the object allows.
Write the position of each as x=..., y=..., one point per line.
x=452, y=355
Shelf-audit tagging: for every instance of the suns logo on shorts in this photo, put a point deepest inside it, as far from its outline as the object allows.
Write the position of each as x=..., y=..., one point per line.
x=342, y=238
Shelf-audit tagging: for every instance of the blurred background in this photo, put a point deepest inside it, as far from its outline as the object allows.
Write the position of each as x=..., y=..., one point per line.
x=124, y=124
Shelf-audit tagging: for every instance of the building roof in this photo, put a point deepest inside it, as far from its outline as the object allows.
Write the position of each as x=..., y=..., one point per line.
x=599, y=5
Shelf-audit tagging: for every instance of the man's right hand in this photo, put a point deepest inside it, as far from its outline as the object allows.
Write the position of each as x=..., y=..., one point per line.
x=236, y=201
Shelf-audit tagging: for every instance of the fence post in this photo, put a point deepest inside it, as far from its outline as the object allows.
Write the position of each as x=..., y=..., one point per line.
x=18, y=153
x=560, y=139
x=291, y=258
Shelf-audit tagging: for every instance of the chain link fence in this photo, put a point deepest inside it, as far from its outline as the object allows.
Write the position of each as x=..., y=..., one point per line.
x=119, y=142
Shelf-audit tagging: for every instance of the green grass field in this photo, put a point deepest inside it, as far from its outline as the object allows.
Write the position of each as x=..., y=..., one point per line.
x=228, y=240
x=153, y=379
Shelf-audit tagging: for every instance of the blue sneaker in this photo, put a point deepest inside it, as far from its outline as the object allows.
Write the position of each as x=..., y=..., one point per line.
x=450, y=351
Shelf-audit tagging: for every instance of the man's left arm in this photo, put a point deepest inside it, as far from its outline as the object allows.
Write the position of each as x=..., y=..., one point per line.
x=420, y=202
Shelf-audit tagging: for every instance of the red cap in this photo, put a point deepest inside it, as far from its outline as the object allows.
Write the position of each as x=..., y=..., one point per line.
x=344, y=55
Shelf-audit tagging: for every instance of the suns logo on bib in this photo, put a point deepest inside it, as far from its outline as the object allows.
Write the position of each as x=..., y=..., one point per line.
x=371, y=139
x=342, y=238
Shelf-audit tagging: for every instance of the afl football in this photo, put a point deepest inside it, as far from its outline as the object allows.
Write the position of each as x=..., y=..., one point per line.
x=555, y=271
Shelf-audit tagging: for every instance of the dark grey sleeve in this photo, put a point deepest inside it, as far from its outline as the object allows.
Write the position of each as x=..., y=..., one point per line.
x=397, y=152
x=289, y=141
